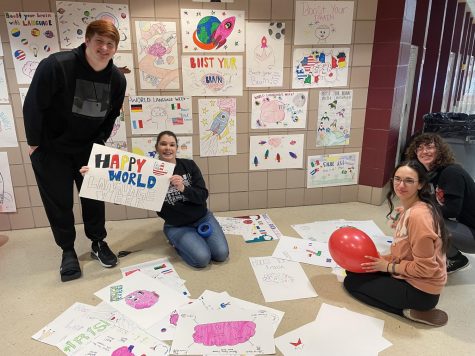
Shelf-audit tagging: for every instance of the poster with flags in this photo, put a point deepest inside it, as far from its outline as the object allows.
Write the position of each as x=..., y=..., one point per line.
x=124, y=178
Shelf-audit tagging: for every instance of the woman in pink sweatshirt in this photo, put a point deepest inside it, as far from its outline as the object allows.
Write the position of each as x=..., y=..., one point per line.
x=409, y=280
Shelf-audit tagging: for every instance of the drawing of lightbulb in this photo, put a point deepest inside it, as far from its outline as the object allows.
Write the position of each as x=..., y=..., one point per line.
x=34, y=49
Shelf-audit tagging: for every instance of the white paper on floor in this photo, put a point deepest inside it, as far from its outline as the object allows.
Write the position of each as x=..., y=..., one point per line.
x=304, y=251
x=253, y=228
x=362, y=335
x=160, y=269
x=281, y=279
x=321, y=231
x=216, y=323
x=65, y=324
x=142, y=298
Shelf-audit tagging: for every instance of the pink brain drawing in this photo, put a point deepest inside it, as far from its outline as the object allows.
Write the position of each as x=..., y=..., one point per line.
x=272, y=111
x=275, y=141
x=141, y=299
x=226, y=333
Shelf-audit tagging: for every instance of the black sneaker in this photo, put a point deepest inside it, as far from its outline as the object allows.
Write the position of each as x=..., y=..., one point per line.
x=102, y=253
x=457, y=263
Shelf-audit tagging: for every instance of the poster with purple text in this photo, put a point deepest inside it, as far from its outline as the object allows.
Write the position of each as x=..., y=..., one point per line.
x=33, y=37
x=323, y=22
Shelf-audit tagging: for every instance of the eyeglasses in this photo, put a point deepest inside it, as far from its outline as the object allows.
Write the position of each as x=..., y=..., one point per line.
x=422, y=148
x=407, y=181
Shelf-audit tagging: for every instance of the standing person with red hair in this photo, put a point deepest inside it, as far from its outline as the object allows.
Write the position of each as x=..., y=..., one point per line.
x=72, y=103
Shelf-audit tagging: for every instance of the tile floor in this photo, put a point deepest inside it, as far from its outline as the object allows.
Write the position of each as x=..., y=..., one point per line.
x=32, y=294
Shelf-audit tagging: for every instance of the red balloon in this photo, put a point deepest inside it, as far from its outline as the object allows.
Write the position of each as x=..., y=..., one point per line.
x=348, y=247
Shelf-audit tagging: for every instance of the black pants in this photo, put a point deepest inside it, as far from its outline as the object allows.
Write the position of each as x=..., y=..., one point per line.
x=382, y=291
x=462, y=238
x=55, y=174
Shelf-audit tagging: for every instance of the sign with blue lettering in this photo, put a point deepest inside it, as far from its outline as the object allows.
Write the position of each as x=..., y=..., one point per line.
x=125, y=178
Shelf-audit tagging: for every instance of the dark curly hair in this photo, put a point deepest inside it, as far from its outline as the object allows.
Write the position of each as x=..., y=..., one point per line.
x=425, y=195
x=444, y=156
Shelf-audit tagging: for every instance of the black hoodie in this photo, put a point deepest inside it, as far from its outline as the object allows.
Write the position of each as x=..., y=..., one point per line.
x=70, y=106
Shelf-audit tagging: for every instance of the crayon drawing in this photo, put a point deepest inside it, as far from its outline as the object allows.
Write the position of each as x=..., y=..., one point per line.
x=334, y=118
x=145, y=146
x=332, y=170
x=283, y=110
x=320, y=68
x=33, y=37
x=7, y=127
x=73, y=18
x=210, y=30
x=276, y=152
x=118, y=137
x=125, y=63
x=157, y=55
x=153, y=114
x=212, y=75
x=265, y=54
x=217, y=123
x=323, y=22
x=7, y=198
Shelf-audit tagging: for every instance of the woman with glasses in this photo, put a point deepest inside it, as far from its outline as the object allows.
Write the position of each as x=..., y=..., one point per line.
x=455, y=191
x=408, y=281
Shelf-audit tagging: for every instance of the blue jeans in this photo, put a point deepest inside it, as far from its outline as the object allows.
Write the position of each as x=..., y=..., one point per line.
x=195, y=250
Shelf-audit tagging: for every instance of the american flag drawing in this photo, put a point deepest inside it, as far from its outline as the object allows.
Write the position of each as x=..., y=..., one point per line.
x=308, y=62
x=177, y=121
x=159, y=169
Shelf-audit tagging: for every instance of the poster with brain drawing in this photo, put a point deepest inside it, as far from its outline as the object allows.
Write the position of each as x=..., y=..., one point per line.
x=265, y=54
x=323, y=22
x=279, y=110
x=320, y=68
x=212, y=30
x=73, y=18
x=276, y=152
x=33, y=37
x=217, y=123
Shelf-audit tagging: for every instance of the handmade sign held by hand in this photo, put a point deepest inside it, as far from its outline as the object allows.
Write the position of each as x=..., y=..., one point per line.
x=125, y=178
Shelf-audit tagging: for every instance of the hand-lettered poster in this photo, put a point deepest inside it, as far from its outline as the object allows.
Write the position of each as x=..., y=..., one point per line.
x=125, y=63
x=33, y=37
x=121, y=177
x=7, y=199
x=332, y=169
x=279, y=110
x=73, y=18
x=265, y=54
x=323, y=22
x=212, y=30
x=145, y=146
x=157, y=55
x=334, y=117
x=3, y=85
x=118, y=137
x=153, y=114
x=7, y=127
x=320, y=68
x=212, y=75
x=276, y=152
x=217, y=123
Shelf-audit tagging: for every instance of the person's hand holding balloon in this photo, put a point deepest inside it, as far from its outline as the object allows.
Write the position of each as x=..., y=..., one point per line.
x=377, y=264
